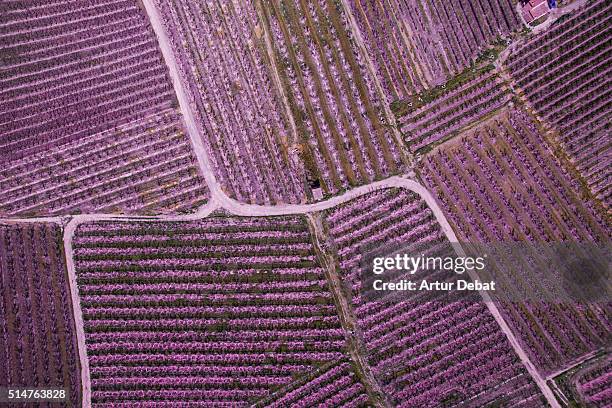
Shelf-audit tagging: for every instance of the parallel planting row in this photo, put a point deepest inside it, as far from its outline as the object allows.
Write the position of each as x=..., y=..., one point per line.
x=221, y=311
x=37, y=332
x=594, y=385
x=239, y=114
x=88, y=121
x=284, y=100
x=428, y=122
x=144, y=166
x=74, y=69
x=331, y=94
x=417, y=44
x=500, y=183
x=426, y=350
x=565, y=74
x=331, y=385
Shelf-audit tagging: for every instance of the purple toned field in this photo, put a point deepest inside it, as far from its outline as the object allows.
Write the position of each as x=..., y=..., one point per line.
x=284, y=100
x=334, y=384
x=424, y=351
x=38, y=341
x=140, y=167
x=565, y=74
x=88, y=121
x=222, y=310
x=133, y=132
x=499, y=182
x=418, y=44
x=445, y=116
x=331, y=93
x=74, y=69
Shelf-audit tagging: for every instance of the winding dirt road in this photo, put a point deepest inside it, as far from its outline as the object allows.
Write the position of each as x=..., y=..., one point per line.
x=219, y=200
x=236, y=208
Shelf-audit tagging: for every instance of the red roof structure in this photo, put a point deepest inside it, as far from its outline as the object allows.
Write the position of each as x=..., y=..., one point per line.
x=535, y=9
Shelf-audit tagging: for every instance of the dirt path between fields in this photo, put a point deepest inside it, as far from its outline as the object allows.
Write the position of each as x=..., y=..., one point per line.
x=348, y=321
x=219, y=200
x=241, y=209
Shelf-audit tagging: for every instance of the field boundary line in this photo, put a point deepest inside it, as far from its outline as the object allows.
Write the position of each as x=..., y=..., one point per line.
x=346, y=312
x=185, y=106
x=250, y=210
x=77, y=314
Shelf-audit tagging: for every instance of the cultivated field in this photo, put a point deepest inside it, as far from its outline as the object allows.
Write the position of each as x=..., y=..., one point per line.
x=88, y=121
x=565, y=74
x=334, y=384
x=38, y=342
x=334, y=100
x=429, y=349
x=430, y=119
x=240, y=115
x=222, y=310
x=285, y=102
x=192, y=191
x=500, y=183
x=594, y=385
x=418, y=44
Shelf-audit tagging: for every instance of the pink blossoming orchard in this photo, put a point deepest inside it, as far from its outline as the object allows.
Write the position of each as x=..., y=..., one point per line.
x=427, y=349
x=480, y=164
x=38, y=335
x=190, y=191
x=89, y=121
x=222, y=309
